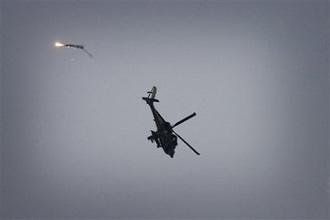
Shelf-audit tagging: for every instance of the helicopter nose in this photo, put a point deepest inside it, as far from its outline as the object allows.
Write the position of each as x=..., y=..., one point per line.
x=171, y=153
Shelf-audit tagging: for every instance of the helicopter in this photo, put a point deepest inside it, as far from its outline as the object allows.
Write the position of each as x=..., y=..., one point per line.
x=165, y=137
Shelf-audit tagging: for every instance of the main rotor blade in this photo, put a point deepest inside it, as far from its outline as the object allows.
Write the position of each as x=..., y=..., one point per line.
x=186, y=143
x=183, y=120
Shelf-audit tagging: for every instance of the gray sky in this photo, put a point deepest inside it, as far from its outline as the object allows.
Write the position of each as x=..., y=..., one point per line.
x=74, y=129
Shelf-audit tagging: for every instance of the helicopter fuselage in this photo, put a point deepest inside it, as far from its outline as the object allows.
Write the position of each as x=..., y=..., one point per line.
x=164, y=136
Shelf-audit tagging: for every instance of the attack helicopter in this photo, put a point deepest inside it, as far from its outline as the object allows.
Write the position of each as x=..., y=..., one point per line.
x=165, y=137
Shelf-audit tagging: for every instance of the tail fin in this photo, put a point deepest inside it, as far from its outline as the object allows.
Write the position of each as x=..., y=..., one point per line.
x=152, y=92
x=151, y=95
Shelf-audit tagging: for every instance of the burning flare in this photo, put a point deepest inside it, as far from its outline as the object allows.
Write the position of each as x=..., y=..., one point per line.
x=58, y=44
x=77, y=46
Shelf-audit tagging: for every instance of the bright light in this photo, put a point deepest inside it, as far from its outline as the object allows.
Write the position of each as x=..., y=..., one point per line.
x=58, y=44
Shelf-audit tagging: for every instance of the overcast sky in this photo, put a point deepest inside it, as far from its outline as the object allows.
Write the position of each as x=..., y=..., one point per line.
x=74, y=129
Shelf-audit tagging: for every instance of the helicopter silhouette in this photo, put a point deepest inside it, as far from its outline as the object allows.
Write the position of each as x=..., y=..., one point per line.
x=165, y=137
